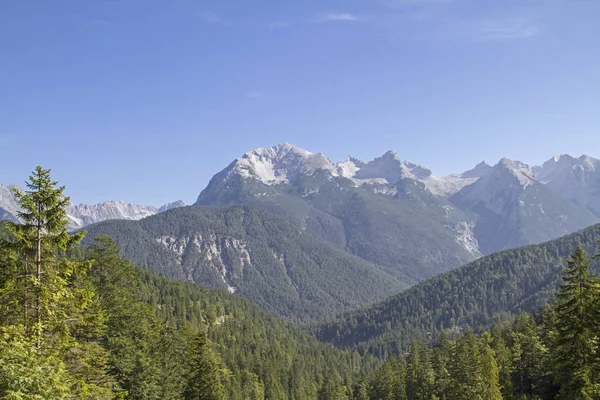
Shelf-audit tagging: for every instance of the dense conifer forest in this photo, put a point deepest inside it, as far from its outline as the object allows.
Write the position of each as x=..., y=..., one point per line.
x=552, y=355
x=81, y=322
x=494, y=288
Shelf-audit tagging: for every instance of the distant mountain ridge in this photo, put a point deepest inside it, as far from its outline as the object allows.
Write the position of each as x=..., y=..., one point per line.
x=514, y=209
x=81, y=215
x=285, y=163
x=577, y=179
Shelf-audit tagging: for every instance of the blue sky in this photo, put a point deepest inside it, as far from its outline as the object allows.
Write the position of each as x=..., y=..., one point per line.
x=144, y=100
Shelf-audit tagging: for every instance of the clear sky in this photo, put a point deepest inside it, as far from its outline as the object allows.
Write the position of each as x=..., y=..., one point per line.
x=144, y=100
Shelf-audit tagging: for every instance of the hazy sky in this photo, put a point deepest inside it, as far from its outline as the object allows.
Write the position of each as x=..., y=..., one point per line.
x=144, y=100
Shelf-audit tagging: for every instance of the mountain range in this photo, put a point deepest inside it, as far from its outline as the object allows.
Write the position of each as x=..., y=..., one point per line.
x=81, y=215
x=399, y=215
x=305, y=237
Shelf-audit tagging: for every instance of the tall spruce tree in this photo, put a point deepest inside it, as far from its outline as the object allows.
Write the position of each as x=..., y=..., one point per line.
x=489, y=385
x=50, y=311
x=441, y=364
x=504, y=359
x=419, y=373
x=575, y=351
x=465, y=368
x=389, y=381
x=204, y=382
x=35, y=246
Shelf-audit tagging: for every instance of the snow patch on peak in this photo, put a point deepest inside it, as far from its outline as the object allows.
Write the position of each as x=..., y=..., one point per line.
x=280, y=164
x=562, y=158
x=499, y=189
x=349, y=168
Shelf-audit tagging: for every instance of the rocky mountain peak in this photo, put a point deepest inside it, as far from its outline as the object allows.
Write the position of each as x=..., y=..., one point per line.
x=576, y=179
x=170, y=206
x=479, y=171
x=349, y=167
x=561, y=167
x=391, y=168
x=8, y=201
x=279, y=164
x=519, y=170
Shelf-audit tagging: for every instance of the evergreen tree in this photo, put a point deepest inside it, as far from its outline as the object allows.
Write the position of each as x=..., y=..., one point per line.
x=25, y=373
x=441, y=366
x=132, y=335
x=46, y=297
x=504, y=359
x=489, y=383
x=36, y=243
x=362, y=391
x=331, y=389
x=419, y=374
x=465, y=368
x=171, y=353
x=576, y=319
x=204, y=382
x=389, y=382
x=527, y=355
x=250, y=387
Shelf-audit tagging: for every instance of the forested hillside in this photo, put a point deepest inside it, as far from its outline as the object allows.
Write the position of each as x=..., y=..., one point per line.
x=80, y=322
x=494, y=287
x=255, y=254
x=553, y=355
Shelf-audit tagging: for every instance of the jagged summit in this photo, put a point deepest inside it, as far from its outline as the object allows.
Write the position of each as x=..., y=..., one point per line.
x=577, y=179
x=564, y=166
x=170, y=206
x=349, y=167
x=391, y=155
x=279, y=164
x=285, y=163
x=480, y=170
x=519, y=170
x=391, y=168
x=81, y=215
